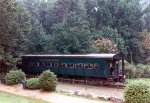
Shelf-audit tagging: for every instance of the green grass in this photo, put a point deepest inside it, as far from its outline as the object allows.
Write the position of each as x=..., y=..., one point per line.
x=11, y=98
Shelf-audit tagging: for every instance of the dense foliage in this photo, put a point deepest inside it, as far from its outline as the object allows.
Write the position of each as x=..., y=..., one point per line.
x=37, y=38
x=73, y=26
x=14, y=77
x=33, y=83
x=137, y=71
x=48, y=81
x=15, y=27
x=105, y=46
x=137, y=91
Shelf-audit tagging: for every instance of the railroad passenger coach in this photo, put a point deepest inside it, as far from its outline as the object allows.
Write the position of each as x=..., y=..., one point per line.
x=100, y=66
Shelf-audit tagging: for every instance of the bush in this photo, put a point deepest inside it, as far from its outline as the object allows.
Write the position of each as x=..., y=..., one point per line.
x=130, y=71
x=14, y=77
x=33, y=83
x=137, y=91
x=48, y=81
x=137, y=71
x=145, y=69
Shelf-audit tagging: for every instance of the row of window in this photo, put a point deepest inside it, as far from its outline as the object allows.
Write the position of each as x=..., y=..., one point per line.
x=63, y=65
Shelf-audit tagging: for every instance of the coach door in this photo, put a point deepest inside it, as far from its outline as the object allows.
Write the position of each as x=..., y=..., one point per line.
x=111, y=68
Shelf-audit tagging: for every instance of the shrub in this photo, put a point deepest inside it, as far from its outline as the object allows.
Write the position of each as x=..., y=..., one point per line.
x=130, y=71
x=48, y=81
x=146, y=73
x=137, y=71
x=14, y=77
x=33, y=83
x=145, y=69
x=137, y=91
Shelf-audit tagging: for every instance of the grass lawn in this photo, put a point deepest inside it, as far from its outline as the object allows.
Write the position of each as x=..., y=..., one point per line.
x=11, y=98
x=146, y=80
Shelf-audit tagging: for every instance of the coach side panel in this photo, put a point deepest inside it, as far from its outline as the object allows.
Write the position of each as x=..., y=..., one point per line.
x=87, y=67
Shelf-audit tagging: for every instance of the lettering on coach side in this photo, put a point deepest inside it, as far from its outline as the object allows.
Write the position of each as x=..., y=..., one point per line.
x=53, y=60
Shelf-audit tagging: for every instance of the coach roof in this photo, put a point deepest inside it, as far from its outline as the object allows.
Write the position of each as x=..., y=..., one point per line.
x=75, y=56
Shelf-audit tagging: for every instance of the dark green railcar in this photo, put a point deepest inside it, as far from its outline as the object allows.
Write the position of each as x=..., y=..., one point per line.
x=90, y=65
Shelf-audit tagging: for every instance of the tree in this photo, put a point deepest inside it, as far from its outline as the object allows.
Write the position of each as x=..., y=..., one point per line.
x=146, y=39
x=7, y=61
x=71, y=37
x=91, y=9
x=121, y=21
x=124, y=16
x=105, y=45
x=113, y=35
x=71, y=32
x=24, y=28
x=14, y=21
x=146, y=43
x=42, y=10
x=7, y=24
x=37, y=38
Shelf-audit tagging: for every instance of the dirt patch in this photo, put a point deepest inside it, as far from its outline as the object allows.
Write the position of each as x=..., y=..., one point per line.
x=106, y=91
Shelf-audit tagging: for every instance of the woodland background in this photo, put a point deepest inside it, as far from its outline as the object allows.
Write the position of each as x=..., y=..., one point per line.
x=74, y=27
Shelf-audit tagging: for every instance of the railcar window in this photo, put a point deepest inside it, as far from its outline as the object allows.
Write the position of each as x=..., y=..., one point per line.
x=34, y=64
x=96, y=66
x=41, y=64
x=48, y=64
x=90, y=66
x=30, y=63
x=79, y=65
x=70, y=65
x=86, y=65
x=37, y=64
x=55, y=64
x=52, y=64
x=62, y=65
